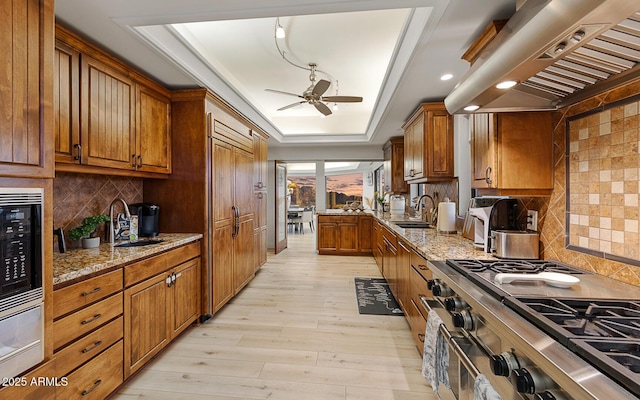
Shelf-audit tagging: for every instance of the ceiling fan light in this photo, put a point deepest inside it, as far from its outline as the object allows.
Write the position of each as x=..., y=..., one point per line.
x=335, y=106
x=280, y=33
x=506, y=84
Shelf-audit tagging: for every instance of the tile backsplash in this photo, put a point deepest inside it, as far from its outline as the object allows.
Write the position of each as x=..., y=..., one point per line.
x=76, y=196
x=552, y=215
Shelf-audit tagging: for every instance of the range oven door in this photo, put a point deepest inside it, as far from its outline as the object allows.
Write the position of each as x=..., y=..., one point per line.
x=462, y=372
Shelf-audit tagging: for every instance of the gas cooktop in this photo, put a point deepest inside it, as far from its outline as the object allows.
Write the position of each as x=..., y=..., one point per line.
x=604, y=332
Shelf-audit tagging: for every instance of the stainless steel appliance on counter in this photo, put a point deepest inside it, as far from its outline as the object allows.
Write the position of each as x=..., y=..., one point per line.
x=533, y=340
x=21, y=269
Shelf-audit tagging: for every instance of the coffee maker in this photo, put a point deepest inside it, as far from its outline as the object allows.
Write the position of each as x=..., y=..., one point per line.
x=148, y=217
x=502, y=214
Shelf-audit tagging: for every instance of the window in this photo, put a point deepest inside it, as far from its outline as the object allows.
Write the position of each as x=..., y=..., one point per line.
x=343, y=189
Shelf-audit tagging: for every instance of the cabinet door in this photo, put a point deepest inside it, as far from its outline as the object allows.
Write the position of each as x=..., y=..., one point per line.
x=417, y=148
x=243, y=170
x=327, y=236
x=145, y=322
x=243, y=258
x=66, y=103
x=403, y=268
x=365, y=233
x=222, y=266
x=483, y=151
x=439, y=145
x=260, y=159
x=348, y=236
x=107, y=120
x=183, y=300
x=153, y=133
x=26, y=45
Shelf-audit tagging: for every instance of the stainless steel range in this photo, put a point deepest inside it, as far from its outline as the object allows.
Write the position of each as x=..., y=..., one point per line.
x=533, y=340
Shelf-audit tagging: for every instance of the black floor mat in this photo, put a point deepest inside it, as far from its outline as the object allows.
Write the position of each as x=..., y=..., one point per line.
x=374, y=297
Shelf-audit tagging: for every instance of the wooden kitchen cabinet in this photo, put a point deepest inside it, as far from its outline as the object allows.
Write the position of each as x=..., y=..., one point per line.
x=389, y=259
x=394, y=166
x=403, y=269
x=158, y=307
x=344, y=234
x=512, y=153
x=428, y=144
x=377, y=243
x=108, y=117
x=416, y=314
x=26, y=95
x=153, y=130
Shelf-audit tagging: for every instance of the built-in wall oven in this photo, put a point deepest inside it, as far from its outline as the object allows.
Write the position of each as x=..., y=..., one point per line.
x=528, y=338
x=21, y=270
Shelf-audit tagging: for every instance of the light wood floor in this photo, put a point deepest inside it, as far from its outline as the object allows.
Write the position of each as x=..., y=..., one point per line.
x=293, y=333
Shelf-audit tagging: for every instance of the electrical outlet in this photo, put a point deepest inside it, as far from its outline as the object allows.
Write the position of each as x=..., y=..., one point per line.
x=532, y=220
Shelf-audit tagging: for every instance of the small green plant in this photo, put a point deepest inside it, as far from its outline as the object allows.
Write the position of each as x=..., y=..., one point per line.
x=88, y=227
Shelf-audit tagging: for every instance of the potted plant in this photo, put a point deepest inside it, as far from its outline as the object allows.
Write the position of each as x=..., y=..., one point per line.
x=87, y=230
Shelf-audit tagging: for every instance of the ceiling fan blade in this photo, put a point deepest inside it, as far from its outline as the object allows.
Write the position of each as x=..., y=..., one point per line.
x=291, y=105
x=281, y=92
x=322, y=108
x=321, y=87
x=342, y=99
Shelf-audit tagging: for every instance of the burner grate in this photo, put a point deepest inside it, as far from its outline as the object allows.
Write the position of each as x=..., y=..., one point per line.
x=513, y=266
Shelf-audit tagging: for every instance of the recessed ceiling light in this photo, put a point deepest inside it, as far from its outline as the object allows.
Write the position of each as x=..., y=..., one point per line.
x=471, y=108
x=506, y=84
x=446, y=77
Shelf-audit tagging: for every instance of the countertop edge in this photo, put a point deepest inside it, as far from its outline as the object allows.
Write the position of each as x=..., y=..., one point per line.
x=78, y=263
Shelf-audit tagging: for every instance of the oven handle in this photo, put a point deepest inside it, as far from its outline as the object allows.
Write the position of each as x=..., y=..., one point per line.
x=468, y=364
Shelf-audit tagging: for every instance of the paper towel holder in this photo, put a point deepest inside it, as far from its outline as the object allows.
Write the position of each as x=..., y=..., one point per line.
x=446, y=222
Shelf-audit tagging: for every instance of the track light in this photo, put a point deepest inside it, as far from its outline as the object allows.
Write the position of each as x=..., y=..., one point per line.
x=280, y=33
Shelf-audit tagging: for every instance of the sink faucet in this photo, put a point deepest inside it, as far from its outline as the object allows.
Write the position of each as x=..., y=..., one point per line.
x=427, y=216
x=112, y=227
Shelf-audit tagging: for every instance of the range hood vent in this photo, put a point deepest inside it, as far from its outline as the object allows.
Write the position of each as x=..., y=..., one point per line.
x=559, y=52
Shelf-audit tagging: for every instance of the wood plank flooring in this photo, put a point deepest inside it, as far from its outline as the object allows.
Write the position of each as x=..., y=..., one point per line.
x=294, y=333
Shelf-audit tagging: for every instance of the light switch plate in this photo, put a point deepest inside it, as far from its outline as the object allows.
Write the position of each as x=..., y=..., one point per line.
x=532, y=220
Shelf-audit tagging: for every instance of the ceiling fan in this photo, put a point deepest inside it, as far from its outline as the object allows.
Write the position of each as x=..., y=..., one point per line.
x=314, y=94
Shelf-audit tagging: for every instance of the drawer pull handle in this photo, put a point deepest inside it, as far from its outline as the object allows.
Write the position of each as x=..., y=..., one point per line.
x=421, y=337
x=88, y=349
x=88, y=321
x=95, y=385
x=423, y=267
x=92, y=292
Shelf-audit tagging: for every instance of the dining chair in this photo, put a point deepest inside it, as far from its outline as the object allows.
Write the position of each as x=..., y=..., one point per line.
x=307, y=216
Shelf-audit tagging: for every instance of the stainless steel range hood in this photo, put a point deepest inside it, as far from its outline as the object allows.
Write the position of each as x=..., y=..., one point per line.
x=558, y=51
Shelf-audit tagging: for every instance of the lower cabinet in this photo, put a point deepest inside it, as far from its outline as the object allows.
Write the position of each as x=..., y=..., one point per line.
x=419, y=274
x=345, y=234
x=107, y=327
x=27, y=391
x=156, y=310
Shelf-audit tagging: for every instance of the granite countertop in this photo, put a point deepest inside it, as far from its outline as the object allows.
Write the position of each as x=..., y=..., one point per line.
x=432, y=244
x=341, y=212
x=80, y=262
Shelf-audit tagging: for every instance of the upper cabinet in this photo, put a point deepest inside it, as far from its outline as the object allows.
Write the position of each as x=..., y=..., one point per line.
x=394, y=166
x=428, y=144
x=512, y=153
x=26, y=92
x=108, y=118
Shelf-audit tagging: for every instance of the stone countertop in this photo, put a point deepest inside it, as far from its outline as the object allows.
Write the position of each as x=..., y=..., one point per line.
x=432, y=244
x=80, y=262
x=341, y=212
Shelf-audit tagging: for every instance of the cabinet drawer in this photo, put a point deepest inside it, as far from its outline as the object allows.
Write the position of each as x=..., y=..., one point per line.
x=86, y=292
x=77, y=324
x=390, y=236
x=145, y=269
x=34, y=392
x=97, y=378
x=418, y=325
x=87, y=347
x=418, y=287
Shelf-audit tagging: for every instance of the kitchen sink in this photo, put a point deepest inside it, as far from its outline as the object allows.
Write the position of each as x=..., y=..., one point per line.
x=138, y=243
x=412, y=224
